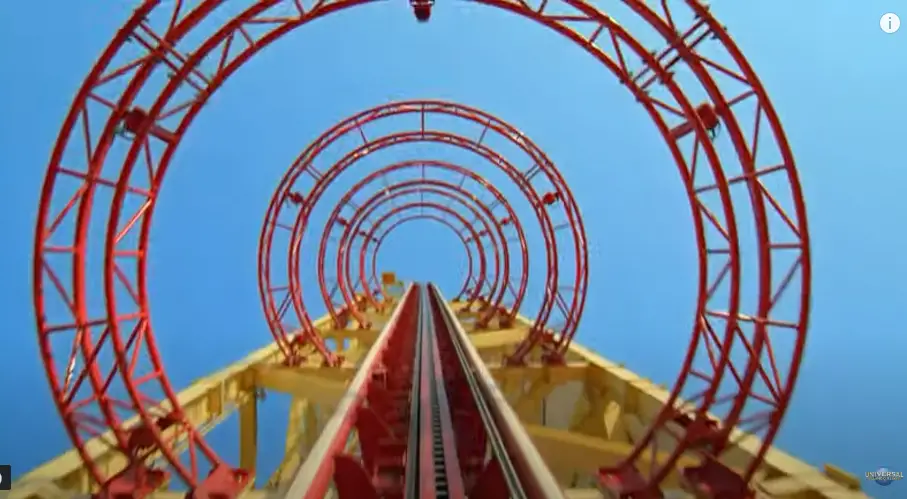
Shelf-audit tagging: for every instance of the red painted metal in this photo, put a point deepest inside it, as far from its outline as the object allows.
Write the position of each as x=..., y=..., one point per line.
x=368, y=280
x=445, y=367
x=485, y=479
x=707, y=117
x=570, y=308
x=490, y=483
x=122, y=98
x=135, y=481
x=496, y=273
x=422, y=9
x=379, y=415
x=472, y=439
x=427, y=475
x=223, y=481
x=498, y=245
x=714, y=479
x=352, y=480
x=424, y=170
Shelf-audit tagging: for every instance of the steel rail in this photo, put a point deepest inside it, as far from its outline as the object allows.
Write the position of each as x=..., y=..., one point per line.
x=415, y=481
x=312, y=480
x=449, y=473
x=525, y=473
x=432, y=470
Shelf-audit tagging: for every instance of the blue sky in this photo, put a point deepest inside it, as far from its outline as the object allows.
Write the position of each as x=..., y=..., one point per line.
x=836, y=80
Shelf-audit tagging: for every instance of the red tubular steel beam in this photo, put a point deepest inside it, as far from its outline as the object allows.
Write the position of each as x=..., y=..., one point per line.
x=383, y=371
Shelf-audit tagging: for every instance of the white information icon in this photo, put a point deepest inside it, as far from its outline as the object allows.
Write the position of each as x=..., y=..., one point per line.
x=890, y=23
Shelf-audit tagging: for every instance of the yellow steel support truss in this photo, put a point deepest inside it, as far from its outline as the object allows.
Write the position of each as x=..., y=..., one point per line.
x=580, y=416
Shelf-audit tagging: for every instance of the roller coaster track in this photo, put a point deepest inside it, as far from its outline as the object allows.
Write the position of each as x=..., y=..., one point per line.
x=431, y=422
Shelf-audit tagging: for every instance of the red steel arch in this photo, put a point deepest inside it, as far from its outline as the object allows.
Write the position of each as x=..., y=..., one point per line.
x=413, y=206
x=401, y=190
x=389, y=192
x=527, y=180
x=498, y=200
x=203, y=61
x=368, y=280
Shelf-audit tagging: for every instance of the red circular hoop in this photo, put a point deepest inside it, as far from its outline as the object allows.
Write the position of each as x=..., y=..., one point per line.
x=163, y=125
x=303, y=165
x=363, y=211
x=466, y=293
x=443, y=208
x=501, y=255
x=372, y=280
x=341, y=261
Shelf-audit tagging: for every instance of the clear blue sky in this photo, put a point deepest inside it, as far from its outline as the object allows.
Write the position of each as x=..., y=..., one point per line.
x=837, y=81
